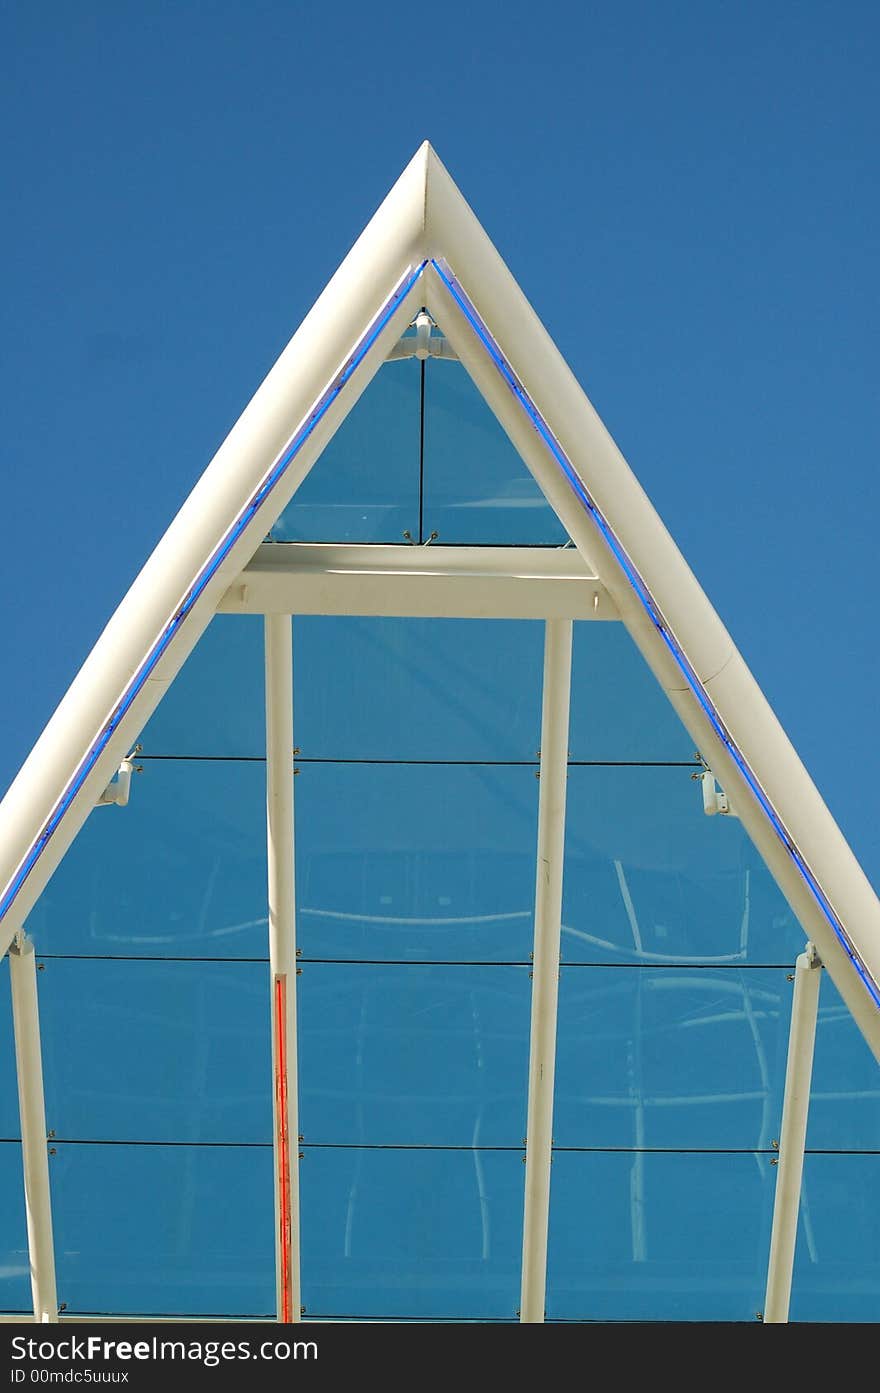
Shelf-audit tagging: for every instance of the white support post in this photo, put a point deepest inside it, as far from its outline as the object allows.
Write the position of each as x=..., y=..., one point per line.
x=282, y=959
x=32, y=1109
x=545, y=972
x=792, y=1138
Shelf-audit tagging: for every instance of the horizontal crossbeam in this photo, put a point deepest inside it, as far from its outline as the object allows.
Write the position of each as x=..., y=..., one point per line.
x=419, y=581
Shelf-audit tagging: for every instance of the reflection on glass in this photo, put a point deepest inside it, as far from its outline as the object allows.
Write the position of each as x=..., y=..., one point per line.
x=658, y=1237
x=156, y=1051
x=441, y=689
x=845, y=1097
x=419, y=1234
x=416, y=863
x=618, y=709
x=15, y=1272
x=649, y=878
x=428, y=1055
x=9, y=1120
x=216, y=704
x=837, y=1256
x=179, y=872
x=675, y=1057
x=365, y=485
x=477, y=489
x=155, y=1230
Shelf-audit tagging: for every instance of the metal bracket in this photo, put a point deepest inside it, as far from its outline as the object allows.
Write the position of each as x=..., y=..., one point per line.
x=715, y=800
x=424, y=345
x=118, y=790
x=812, y=956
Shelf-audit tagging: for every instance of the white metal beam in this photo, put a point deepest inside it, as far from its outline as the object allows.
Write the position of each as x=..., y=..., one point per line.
x=793, y=1136
x=545, y=972
x=282, y=960
x=32, y=1110
x=423, y=581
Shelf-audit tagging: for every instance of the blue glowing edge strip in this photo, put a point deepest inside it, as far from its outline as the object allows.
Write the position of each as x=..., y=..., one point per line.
x=204, y=576
x=652, y=609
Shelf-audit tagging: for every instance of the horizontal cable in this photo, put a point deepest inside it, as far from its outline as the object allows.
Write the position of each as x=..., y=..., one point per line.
x=439, y=763
x=421, y=962
x=459, y=1147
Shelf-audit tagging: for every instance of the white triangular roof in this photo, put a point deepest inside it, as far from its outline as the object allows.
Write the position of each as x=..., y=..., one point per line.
x=425, y=247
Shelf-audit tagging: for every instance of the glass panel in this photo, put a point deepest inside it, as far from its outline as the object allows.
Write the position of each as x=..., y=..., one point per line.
x=147, y=1051
x=164, y=1230
x=442, y=689
x=685, y=1057
x=9, y=1119
x=180, y=872
x=618, y=710
x=658, y=1236
x=216, y=705
x=418, y=1234
x=649, y=878
x=430, y=1055
x=476, y=487
x=845, y=1098
x=837, y=1256
x=415, y=863
x=365, y=486
x=15, y=1270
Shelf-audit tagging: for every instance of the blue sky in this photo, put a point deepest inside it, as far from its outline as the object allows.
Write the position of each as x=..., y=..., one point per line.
x=687, y=193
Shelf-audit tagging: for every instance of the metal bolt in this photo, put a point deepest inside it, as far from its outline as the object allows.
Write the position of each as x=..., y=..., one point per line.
x=52, y=1151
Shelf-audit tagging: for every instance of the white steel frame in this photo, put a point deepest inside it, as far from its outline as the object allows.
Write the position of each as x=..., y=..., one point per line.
x=425, y=248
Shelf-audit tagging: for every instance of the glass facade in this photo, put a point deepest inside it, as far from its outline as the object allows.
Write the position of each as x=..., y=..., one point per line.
x=416, y=803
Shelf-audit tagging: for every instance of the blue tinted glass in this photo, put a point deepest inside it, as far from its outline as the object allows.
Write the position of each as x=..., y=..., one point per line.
x=845, y=1098
x=9, y=1121
x=147, y=1051
x=650, y=878
x=683, y=1057
x=618, y=709
x=658, y=1237
x=177, y=1230
x=415, y=863
x=216, y=704
x=476, y=487
x=365, y=486
x=837, y=1257
x=441, y=689
x=15, y=1271
x=423, y=1234
x=433, y=1055
x=180, y=871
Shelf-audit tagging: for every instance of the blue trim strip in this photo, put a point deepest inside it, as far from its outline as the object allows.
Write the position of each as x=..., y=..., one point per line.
x=649, y=604
x=221, y=551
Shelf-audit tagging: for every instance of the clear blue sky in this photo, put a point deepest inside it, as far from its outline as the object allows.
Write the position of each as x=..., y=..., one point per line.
x=686, y=192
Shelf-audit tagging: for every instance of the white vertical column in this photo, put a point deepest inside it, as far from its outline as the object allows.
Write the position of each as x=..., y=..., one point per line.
x=32, y=1109
x=545, y=972
x=792, y=1138
x=282, y=959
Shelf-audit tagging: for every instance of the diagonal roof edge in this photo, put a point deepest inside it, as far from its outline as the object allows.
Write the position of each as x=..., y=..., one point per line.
x=423, y=238
x=361, y=295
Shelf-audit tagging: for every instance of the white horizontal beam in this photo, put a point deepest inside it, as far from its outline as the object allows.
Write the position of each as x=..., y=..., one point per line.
x=419, y=581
